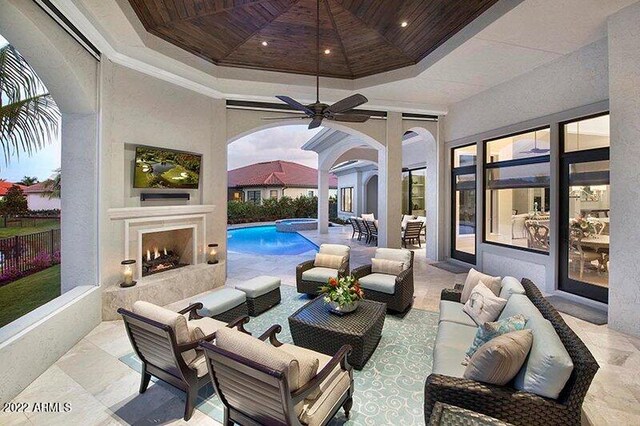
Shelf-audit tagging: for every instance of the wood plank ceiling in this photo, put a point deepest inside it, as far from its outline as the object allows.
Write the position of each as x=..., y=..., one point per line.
x=364, y=37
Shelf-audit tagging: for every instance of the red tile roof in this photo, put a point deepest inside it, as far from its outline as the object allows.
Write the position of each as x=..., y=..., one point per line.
x=277, y=173
x=4, y=187
x=37, y=188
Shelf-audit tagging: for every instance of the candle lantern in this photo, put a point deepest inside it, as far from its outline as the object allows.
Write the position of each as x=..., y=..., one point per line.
x=212, y=255
x=127, y=273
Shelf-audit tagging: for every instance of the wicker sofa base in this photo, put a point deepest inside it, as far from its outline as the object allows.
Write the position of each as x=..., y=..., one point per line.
x=308, y=287
x=263, y=303
x=233, y=313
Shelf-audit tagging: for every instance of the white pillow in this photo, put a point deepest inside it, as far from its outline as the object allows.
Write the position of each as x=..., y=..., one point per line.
x=483, y=306
x=386, y=266
x=406, y=218
x=328, y=261
x=368, y=216
x=473, y=278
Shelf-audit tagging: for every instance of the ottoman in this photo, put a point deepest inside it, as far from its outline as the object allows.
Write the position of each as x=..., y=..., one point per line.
x=262, y=293
x=225, y=304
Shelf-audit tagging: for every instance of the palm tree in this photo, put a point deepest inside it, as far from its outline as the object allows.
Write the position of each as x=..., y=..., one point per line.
x=28, y=181
x=29, y=117
x=53, y=184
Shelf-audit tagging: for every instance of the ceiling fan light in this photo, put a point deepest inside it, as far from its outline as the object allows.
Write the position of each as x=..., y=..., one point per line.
x=265, y=43
x=327, y=51
x=404, y=24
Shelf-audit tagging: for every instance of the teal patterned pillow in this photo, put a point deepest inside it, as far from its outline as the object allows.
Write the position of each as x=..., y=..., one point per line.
x=489, y=330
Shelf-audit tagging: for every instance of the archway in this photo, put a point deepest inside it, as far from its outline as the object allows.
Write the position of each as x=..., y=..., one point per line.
x=371, y=194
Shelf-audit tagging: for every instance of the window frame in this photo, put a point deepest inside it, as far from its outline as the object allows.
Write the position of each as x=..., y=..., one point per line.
x=505, y=164
x=251, y=200
x=455, y=172
x=342, y=199
x=273, y=196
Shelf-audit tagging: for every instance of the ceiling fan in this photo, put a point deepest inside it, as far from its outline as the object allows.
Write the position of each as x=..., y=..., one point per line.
x=318, y=111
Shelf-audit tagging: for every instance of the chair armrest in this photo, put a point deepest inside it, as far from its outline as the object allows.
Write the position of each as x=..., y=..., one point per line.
x=195, y=343
x=304, y=266
x=191, y=309
x=340, y=358
x=361, y=271
x=451, y=294
x=239, y=323
x=459, y=287
x=271, y=335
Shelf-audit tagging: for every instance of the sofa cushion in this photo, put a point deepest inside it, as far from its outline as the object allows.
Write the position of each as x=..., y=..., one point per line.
x=385, y=266
x=202, y=327
x=220, y=301
x=473, y=278
x=510, y=286
x=332, y=261
x=256, y=287
x=499, y=360
x=548, y=366
x=319, y=275
x=335, y=249
x=452, y=312
x=452, y=341
x=400, y=255
x=491, y=330
x=483, y=305
x=383, y=283
x=519, y=304
x=299, y=369
x=176, y=321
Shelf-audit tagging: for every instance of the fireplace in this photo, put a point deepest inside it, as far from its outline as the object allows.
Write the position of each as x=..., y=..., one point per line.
x=165, y=249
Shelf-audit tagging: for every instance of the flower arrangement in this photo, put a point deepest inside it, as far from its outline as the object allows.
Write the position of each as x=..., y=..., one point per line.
x=587, y=227
x=342, y=294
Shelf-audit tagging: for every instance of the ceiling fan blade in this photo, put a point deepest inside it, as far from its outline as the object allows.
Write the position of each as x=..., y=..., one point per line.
x=316, y=122
x=285, y=118
x=295, y=104
x=346, y=104
x=350, y=118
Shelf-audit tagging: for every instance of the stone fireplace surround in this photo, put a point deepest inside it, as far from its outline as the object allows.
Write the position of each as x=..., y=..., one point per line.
x=167, y=287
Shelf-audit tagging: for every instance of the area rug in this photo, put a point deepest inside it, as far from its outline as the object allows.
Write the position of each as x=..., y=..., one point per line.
x=388, y=390
x=452, y=267
x=579, y=310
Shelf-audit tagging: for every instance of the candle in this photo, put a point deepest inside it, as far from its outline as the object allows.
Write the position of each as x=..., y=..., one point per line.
x=128, y=275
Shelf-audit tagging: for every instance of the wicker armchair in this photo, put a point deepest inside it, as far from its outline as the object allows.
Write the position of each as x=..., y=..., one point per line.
x=402, y=296
x=165, y=343
x=309, y=285
x=515, y=406
x=256, y=392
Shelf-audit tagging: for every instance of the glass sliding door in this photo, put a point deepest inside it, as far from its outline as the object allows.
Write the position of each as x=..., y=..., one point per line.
x=463, y=204
x=585, y=202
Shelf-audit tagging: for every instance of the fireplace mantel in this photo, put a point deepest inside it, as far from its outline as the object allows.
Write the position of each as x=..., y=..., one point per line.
x=124, y=213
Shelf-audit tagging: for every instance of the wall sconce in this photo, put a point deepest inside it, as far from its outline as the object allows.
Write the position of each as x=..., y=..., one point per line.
x=212, y=255
x=127, y=273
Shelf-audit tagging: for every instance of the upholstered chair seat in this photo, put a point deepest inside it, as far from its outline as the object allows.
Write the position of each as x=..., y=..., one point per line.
x=332, y=261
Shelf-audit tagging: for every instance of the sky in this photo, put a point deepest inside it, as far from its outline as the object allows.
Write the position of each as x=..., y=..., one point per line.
x=41, y=164
x=278, y=143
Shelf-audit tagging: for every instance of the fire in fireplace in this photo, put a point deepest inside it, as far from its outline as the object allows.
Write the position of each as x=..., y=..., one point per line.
x=163, y=250
x=157, y=260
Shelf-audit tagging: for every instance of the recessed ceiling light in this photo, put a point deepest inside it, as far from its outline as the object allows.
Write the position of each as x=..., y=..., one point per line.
x=404, y=24
x=327, y=51
x=265, y=44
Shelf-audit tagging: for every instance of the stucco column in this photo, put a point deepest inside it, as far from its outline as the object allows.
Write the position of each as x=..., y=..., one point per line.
x=624, y=101
x=390, y=184
x=323, y=201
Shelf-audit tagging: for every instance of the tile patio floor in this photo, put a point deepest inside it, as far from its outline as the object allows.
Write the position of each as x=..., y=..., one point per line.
x=103, y=391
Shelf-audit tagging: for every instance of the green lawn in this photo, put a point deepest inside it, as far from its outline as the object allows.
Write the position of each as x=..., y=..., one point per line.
x=26, y=294
x=42, y=225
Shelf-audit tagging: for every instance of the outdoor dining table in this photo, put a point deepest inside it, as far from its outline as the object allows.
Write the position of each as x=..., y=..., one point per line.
x=597, y=242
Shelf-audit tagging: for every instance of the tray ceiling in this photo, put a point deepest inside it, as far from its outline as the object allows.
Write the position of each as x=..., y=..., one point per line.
x=362, y=37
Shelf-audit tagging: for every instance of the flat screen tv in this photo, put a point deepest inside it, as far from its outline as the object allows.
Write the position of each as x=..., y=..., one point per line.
x=166, y=169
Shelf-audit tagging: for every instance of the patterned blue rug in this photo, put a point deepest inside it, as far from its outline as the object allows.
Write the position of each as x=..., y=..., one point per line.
x=388, y=390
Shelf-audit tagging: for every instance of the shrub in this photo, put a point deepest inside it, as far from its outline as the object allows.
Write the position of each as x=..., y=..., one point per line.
x=272, y=209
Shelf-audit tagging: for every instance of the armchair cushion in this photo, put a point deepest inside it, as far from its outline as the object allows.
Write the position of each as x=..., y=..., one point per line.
x=202, y=327
x=399, y=255
x=319, y=274
x=299, y=370
x=385, y=266
x=332, y=261
x=199, y=364
x=368, y=216
x=335, y=249
x=473, y=278
x=383, y=283
x=176, y=321
x=406, y=218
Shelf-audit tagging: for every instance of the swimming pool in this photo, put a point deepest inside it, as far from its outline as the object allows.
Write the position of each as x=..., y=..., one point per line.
x=267, y=240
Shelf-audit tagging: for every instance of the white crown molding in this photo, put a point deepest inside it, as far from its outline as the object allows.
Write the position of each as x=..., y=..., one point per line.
x=167, y=212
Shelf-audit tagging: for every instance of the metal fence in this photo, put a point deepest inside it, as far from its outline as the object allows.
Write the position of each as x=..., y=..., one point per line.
x=25, y=253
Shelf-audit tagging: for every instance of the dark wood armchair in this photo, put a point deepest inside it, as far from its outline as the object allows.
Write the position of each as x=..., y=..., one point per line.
x=256, y=394
x=412, y=233
x=167, y=348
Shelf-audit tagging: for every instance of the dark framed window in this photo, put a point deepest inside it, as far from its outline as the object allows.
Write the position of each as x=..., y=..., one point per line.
x=516, y=184
x=254, y=197
x=463, y=203
x=346, y=199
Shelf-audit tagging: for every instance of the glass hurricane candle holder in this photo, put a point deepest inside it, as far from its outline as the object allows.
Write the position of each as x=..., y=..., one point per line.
x=127, y=273
x=212, y=254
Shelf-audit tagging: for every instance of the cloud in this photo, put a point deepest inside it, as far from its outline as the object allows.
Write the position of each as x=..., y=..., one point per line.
x=278, y=143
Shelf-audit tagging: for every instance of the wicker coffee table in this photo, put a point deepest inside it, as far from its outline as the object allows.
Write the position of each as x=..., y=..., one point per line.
x=314, y=327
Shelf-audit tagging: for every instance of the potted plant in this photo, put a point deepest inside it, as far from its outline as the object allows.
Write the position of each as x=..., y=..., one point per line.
x=587, y=227
x=342, y=294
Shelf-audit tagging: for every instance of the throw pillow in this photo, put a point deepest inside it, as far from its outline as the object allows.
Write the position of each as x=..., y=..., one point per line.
x=385, y=266
x=498, y=361
x=328, y=261
x=489, y=330
x=483, y=305
x=473, y=278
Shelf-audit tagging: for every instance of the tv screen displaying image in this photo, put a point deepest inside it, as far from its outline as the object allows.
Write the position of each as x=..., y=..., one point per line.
x=166, y=168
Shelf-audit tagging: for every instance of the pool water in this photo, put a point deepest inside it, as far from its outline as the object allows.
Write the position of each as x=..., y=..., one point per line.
x=266, y=240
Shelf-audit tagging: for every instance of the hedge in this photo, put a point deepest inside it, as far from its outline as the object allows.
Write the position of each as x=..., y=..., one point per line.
x=272, y=209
